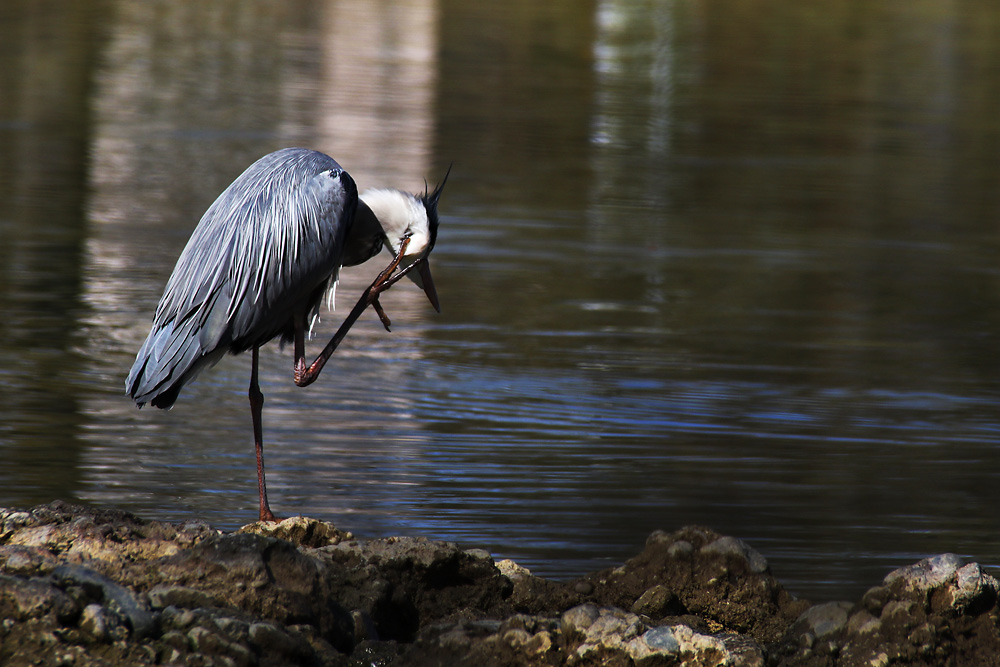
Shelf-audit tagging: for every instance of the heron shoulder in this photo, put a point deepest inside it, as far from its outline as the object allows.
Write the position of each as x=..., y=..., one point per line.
x=274, y=233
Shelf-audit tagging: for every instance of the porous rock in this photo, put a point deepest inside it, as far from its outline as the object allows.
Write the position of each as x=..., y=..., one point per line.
x=696, y=571
x=938, y=611
x=88, y=587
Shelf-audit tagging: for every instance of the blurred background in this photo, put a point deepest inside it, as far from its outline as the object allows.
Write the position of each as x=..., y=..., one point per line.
x=724, y=263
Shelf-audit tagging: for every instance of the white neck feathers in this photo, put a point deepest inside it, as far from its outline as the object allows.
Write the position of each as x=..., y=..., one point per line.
x=400, y=214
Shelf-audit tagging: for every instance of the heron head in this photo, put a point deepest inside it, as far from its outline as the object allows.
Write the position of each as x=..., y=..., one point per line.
x=422, y=276
x=414, y=217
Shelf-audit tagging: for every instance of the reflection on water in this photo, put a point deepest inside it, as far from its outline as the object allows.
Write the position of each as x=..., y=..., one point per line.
x=699, y=263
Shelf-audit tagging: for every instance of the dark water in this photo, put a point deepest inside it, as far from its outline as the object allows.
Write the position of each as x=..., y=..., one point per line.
x=735, y=264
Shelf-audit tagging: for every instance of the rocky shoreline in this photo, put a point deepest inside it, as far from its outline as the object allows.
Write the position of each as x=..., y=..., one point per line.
x=83, y=586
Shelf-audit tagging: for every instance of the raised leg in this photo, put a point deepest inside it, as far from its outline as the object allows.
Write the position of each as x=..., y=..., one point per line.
x=256, y=405
x=384, y=281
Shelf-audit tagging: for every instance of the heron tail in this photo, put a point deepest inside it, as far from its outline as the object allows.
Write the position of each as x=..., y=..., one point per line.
x=172, y=356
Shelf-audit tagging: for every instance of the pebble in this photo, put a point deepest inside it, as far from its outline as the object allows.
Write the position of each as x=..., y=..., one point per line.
x=579, y=618
x=479, y=554
x=662, y=639
x=94, y=622
x=733, y=546
x=825, y=619
x=680, y=549
x=654, y=602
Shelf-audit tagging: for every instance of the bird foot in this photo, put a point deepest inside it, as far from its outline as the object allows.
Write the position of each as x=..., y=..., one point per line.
x=267, y=515
x=381, y=314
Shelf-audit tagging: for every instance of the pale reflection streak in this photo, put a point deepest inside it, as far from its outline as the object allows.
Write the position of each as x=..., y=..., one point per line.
x=187, y=95
x=634, y=69
x=375, y=106
x=375, y=115
x=376, y=102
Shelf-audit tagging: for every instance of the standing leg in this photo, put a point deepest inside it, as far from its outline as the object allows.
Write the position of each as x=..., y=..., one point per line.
x=256, y=404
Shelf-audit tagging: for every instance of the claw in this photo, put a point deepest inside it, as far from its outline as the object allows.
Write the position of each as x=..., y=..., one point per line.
x=377, y=305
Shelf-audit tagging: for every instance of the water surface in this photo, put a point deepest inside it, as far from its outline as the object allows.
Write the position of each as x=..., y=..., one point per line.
x=734, y=265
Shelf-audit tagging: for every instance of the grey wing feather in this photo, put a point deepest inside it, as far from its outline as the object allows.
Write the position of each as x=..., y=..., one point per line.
x=261, y=255
x=171, y=357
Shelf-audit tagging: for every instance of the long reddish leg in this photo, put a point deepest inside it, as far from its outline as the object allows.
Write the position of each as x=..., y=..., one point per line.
x=299, y=366
x=384, y=281
x=256, y=404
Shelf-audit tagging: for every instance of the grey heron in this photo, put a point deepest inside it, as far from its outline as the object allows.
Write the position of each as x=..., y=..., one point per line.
x=258, y=265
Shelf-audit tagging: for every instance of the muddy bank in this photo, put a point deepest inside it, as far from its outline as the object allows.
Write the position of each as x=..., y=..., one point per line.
x=82, y=586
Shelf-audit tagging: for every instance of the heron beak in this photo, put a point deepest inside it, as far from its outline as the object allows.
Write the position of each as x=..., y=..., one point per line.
x=422, y=277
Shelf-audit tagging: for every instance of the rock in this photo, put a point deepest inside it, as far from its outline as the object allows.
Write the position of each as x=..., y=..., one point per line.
x=657, y=602
x=364, y=626
x=921, y=614
x=680, y=549
x=579, y=619
x=971, y=591
x=719, y=579
x=101, y=624
x=875, y=598
x=609, y=631
x=731, y=546
x=662, y=639
x=862, y=622
x=925, y=575
x=260, y=576
x=824, y=619
x=612, y=628
x=946, y=584
x=179, y=596
x=481, y=554
x=116, y=597
x=91, y=587
x=24, y=599
x=399, y=581
x=512, y=570
x=300, y=530
x=688, y=647
x=26, y=561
